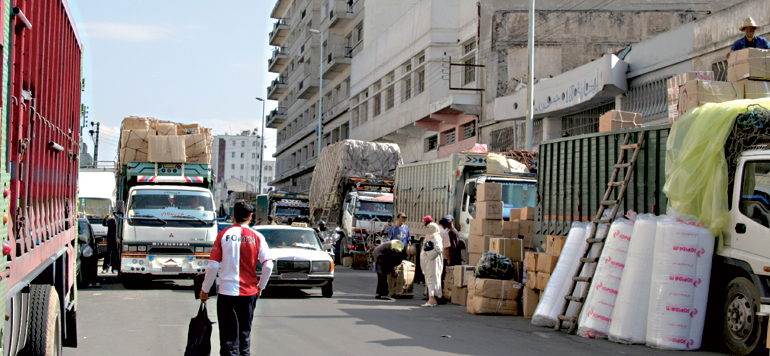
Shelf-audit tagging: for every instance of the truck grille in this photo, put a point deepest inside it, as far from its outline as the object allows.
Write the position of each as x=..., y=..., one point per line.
x=170, y=251
x=293, y=266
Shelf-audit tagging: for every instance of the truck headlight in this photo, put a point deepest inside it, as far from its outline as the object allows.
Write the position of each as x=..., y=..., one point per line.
x=321, y=266
x=132, y=248
x=207, y=249
x=199, y=249
x=142, y=248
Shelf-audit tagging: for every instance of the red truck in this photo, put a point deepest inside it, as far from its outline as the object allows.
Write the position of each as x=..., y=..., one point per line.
x=40, y=129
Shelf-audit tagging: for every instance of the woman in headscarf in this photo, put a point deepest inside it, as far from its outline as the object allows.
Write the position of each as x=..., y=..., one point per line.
x=432, y=261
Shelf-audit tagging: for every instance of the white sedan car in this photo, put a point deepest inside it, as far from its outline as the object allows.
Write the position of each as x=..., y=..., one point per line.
x=301, y=260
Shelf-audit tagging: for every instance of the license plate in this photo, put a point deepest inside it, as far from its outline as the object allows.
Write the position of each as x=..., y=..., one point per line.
x=294, y=276
x=171, y=269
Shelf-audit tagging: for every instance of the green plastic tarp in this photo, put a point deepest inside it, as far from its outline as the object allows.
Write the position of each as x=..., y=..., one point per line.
x=696, y=168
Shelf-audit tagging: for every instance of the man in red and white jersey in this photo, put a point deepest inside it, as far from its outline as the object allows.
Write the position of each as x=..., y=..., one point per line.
x=235, y=255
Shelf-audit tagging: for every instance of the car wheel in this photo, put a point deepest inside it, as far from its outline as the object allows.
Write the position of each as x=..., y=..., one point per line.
x=327, y=290
x=742, y=329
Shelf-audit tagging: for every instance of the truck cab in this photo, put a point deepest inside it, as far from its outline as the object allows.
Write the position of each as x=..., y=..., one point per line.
x=519, y=190
x=366, y=211
x=287, y=206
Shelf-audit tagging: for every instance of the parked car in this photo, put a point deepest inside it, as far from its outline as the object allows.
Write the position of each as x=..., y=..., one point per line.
x=301, y=260
x=86, y=265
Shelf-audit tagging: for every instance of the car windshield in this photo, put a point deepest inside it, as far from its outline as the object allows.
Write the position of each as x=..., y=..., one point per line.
x=297, y=238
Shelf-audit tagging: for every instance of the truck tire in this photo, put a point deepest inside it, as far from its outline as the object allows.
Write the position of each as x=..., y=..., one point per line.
x=741, y=329
x=327, y=290
x=44, y=336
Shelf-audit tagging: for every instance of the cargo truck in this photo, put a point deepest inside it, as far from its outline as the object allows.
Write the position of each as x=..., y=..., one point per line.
x=96, y=199
x=572, y=178
x=288, y=206
x=41, y=139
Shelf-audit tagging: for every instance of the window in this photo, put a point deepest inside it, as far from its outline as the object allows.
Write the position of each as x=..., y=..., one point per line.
x=408, y=68
x=421, y=59
x=254, y=155
x=377, y=105
x=363, y=115
x=469, y=130
x=449, y=137
x=420, y=81
x=755, y=195
x=233, y=141
x=243, y=143
x=252, y=178
x=431, y=143
x=468, y=47
x=241, y=177
x=254, y=143
x=360, y=32
x=407, y=89
x=241, y=154
x=232, y=177
x=241, y=166
x=232, y=166
x=470, y=71
x=253, y=167
x=391, y=98
x=233, y=155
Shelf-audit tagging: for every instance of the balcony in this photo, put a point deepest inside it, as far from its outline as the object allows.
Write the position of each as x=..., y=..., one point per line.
x=277, y=88
x=276, y=117
x=280, y=8
x=280, y=32
x=338, y=59
x=279, y=60
x=308, y=86
x=340, y=14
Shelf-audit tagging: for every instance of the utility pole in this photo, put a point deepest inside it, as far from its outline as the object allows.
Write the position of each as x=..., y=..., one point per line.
x=320, y=89
x=530, y=75
x=261, y=146
x=96, y=142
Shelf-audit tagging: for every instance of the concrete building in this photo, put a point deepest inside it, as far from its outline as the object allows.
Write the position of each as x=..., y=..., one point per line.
x=237, y=157
x=572, y=91
x=401, y=79
x=296, y=59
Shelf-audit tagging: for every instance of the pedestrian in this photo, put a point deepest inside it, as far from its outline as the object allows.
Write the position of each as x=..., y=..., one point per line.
x=235, y=254
x=400, y=231
x=387, y=257
x=259, y=221
x=111, y=258
x=452, y=243
x=749, y=40
x=270, y=220
x=432, y=261
x=277, y=220
x=386, y=229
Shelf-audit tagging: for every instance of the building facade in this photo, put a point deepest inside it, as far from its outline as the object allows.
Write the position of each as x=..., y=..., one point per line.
x=296, y=59
x=237, y=157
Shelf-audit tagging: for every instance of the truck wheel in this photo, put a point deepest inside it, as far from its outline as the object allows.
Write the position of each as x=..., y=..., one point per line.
x=741, y=329
x=327, y=290
x=44, y=336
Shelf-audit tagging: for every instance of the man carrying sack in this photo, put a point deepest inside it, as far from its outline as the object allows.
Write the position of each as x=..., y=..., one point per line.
x=236, y=252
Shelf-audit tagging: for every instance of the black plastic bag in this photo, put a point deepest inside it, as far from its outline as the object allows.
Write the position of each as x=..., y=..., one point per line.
x=198, y=285
x=494, y=266
x=199, y=334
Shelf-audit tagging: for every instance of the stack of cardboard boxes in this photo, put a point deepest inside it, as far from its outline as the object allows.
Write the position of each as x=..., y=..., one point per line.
x=539, y=267
x=488, y=223
x=455, y=286
x=402, y=285
x=146, y=139
x=493, y=296
x=523, y=220
x=673, y=85
x=616, y=120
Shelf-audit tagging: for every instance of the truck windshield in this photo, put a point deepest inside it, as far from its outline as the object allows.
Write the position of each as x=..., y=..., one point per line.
x=287, y=238
x=95, y=208
x=285, y=211
x=374, y=210
x=517, y=194
x=171, y=208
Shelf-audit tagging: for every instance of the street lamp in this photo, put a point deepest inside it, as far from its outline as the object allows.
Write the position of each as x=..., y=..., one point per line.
x=261, y=146
x=320, y=89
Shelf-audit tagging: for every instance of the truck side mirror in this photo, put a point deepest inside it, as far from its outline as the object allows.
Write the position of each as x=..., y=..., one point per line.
x=120, y=207
x=470, y=189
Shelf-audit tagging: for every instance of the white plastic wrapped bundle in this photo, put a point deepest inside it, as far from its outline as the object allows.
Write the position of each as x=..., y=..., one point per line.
x=552, y=299
x=596, y=316
x=680, y=281
x=629, y=317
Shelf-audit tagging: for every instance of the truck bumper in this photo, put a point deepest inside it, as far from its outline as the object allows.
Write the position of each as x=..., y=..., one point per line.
x=306, y=282
x=159, y=265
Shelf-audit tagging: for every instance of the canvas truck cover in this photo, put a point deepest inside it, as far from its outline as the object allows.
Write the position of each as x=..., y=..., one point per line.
x=352, y=158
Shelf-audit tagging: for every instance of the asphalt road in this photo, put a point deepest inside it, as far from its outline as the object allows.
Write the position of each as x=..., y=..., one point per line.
x=153, y=321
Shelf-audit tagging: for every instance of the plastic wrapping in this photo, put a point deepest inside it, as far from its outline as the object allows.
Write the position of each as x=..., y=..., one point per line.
x=629, y=317
x=596, y=316
x=552, y=299
x=680, y=281
x=494, y=266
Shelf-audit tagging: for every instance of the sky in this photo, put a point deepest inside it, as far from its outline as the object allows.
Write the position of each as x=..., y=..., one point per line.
x=189, y=61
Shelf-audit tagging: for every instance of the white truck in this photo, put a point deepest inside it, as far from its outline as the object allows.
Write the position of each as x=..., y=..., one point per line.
x=96, y=198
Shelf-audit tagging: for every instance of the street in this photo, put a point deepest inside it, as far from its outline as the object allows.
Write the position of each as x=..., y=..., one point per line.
x=153, y=321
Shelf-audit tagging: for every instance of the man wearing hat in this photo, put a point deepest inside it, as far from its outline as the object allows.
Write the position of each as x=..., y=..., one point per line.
x=750, y=41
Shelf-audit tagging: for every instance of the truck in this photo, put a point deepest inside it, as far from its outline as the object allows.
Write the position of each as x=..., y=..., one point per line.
x=352, y=189
x=445, y=186
x=286, y=206
x=40, y=130
x=573, y=175
x=96, y=198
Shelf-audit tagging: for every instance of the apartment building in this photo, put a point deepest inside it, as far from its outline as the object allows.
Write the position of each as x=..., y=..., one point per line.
x=404, y=89
x=237, y=157
x=296, y=59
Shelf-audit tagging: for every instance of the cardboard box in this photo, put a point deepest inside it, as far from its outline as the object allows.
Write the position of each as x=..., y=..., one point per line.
x=478, y=243
x=135, y=123
x=698, y=92
x=511, y=248
x=530, y=261
x=514, y=214
x=748, y=63
x=489, y=192
x=402, y=285
x=754, y=89
x=673, y=112
x=486, y=227
x=165, y=128
x=527, y=233
x=518, y=274
x=135, y=145
x=473, y=258
x=546, y=263
x=494, y=288
x=531, y=281
x=481, y=305
x=530, y=299
x=459, y=296
x=462, y=274
x=527, y=213
x=197, y=148
x=491, y=210
x=347, y=261
x=449, y=276
x=167, y=149
x=542, y=280
x=511, y=228
x=616, y=120
x=675, y=82
x=554, y=244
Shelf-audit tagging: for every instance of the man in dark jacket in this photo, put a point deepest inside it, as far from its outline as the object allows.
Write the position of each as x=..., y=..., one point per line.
x=750, y=40
x=111, y=258
x=387, y=257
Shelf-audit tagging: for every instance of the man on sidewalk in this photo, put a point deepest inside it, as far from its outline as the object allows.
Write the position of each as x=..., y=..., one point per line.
x=400, y=231
x=387, y=257
x=236, y=252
